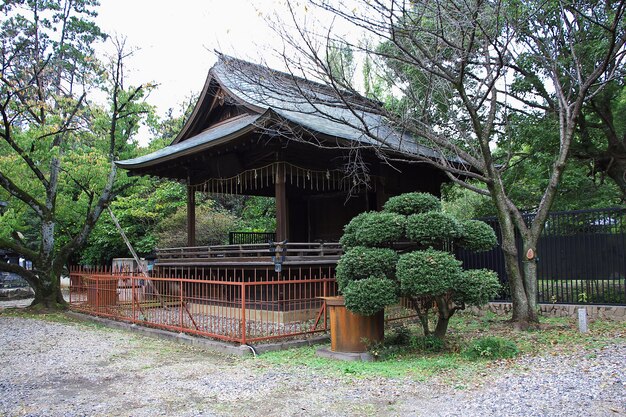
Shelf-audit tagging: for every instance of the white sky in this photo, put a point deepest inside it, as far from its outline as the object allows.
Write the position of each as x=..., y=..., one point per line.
x=175, y=40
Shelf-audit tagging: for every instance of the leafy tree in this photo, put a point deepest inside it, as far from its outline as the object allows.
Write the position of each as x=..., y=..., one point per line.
x=58, y=148
x=140, y=210
x=212, y=227
x=375, y=273
x=460, y=71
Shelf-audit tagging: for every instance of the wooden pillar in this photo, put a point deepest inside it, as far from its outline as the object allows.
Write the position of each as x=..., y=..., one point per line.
x=191, y=216
x=282, y=213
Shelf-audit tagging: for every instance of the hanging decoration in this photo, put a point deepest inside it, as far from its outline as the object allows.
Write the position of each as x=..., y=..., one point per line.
x=268, y=175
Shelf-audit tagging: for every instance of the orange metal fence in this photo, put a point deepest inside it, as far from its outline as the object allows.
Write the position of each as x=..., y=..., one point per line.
x=234, y=305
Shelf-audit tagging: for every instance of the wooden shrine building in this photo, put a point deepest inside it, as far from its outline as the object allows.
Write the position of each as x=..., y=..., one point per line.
x=256, y=131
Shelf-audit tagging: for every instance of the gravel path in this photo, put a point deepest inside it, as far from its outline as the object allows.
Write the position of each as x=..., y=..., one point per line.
x=75, y=369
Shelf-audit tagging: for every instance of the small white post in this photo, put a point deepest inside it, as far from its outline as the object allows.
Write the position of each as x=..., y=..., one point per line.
x=582, y=320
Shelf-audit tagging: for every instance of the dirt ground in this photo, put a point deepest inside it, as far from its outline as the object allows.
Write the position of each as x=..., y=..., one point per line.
x=78, y=369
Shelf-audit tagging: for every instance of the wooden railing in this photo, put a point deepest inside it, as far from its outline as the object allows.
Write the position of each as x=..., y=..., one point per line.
x=252, y=254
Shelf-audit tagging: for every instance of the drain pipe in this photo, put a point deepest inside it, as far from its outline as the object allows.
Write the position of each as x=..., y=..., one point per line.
x=252, y=349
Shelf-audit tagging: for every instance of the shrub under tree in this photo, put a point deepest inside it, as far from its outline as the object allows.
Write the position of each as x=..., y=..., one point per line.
x=404, y=250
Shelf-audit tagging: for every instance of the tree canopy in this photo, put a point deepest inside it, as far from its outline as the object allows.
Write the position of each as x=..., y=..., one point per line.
x=463, y=77
x=58, y=145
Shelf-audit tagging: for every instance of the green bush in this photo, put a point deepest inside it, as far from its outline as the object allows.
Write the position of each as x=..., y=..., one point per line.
x=428, y=272
x=348, y=240
x=399, y=336
x=428, y=344
x=361, y=262
x=491, y=348
x=380, y=229
x=475, y=287
x=370, y=295
x=412, y=203
x=433, y=228
x=477, y=236
x=212, y=227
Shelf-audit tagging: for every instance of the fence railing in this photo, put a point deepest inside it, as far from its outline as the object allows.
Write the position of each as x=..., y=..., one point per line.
x=234, y=307
x=239, y=238
x=581, y=257
x=237, y=311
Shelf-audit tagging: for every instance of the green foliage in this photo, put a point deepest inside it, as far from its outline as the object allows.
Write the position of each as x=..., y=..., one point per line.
x=412, y=203
x=429, y=344
x=349, y=238
x=533, y=142
x=475, y=287
x=57, y=144
x=370, y=295
x=433, y=228
x=360, y=262
x=400, y=335
x=465, y=204
x=340, y=63
x=477, y=236
x=365, y=273
x=491, y=348
x=212, y=227
x=380, y=229
x=140, y=210
x=258, y=214
x=427, y=273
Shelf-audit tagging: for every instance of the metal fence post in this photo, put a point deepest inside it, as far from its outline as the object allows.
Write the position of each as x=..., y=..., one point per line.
x=181, y=304
x=243, y=313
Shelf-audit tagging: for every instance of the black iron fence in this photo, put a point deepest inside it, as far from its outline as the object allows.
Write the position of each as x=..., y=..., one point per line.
x=243, y=238
x=581, y=257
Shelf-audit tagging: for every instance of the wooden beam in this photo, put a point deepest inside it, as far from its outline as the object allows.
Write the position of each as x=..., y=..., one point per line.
x=191, y=216
x=282, y=211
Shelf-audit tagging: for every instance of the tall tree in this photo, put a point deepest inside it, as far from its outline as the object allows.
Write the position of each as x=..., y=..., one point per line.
x=459, y=71
x=602, y=129
x=58, y=147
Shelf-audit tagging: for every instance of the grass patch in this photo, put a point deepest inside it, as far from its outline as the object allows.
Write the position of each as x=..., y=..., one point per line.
x=491, y=348
x=57, y=316
x=406, y=354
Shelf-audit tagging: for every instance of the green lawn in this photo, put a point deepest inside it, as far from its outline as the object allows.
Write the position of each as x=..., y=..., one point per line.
x=555, y=336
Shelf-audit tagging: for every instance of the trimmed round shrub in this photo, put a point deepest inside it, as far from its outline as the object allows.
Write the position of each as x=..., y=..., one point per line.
x=370, y=295
x=380, y=229
x=412, y=203
x=361, y=262
x=491, y=348
x=348, y=240
x=475, y=287
x=477, y=236
x=427, y=272
x=433, y=228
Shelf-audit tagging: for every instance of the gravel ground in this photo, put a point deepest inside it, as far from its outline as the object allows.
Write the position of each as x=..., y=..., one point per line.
x=76, y=369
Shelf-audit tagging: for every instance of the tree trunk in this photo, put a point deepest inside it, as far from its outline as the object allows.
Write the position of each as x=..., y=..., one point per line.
x=445, y=309
x=529, y=266
x=422, y=307
x=520, y=280
x=442, y=327
x=616, y=170
x=48, y=293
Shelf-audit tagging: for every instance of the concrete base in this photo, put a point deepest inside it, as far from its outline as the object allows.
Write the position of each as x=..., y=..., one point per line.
x=345, y=356
x=201, y=342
